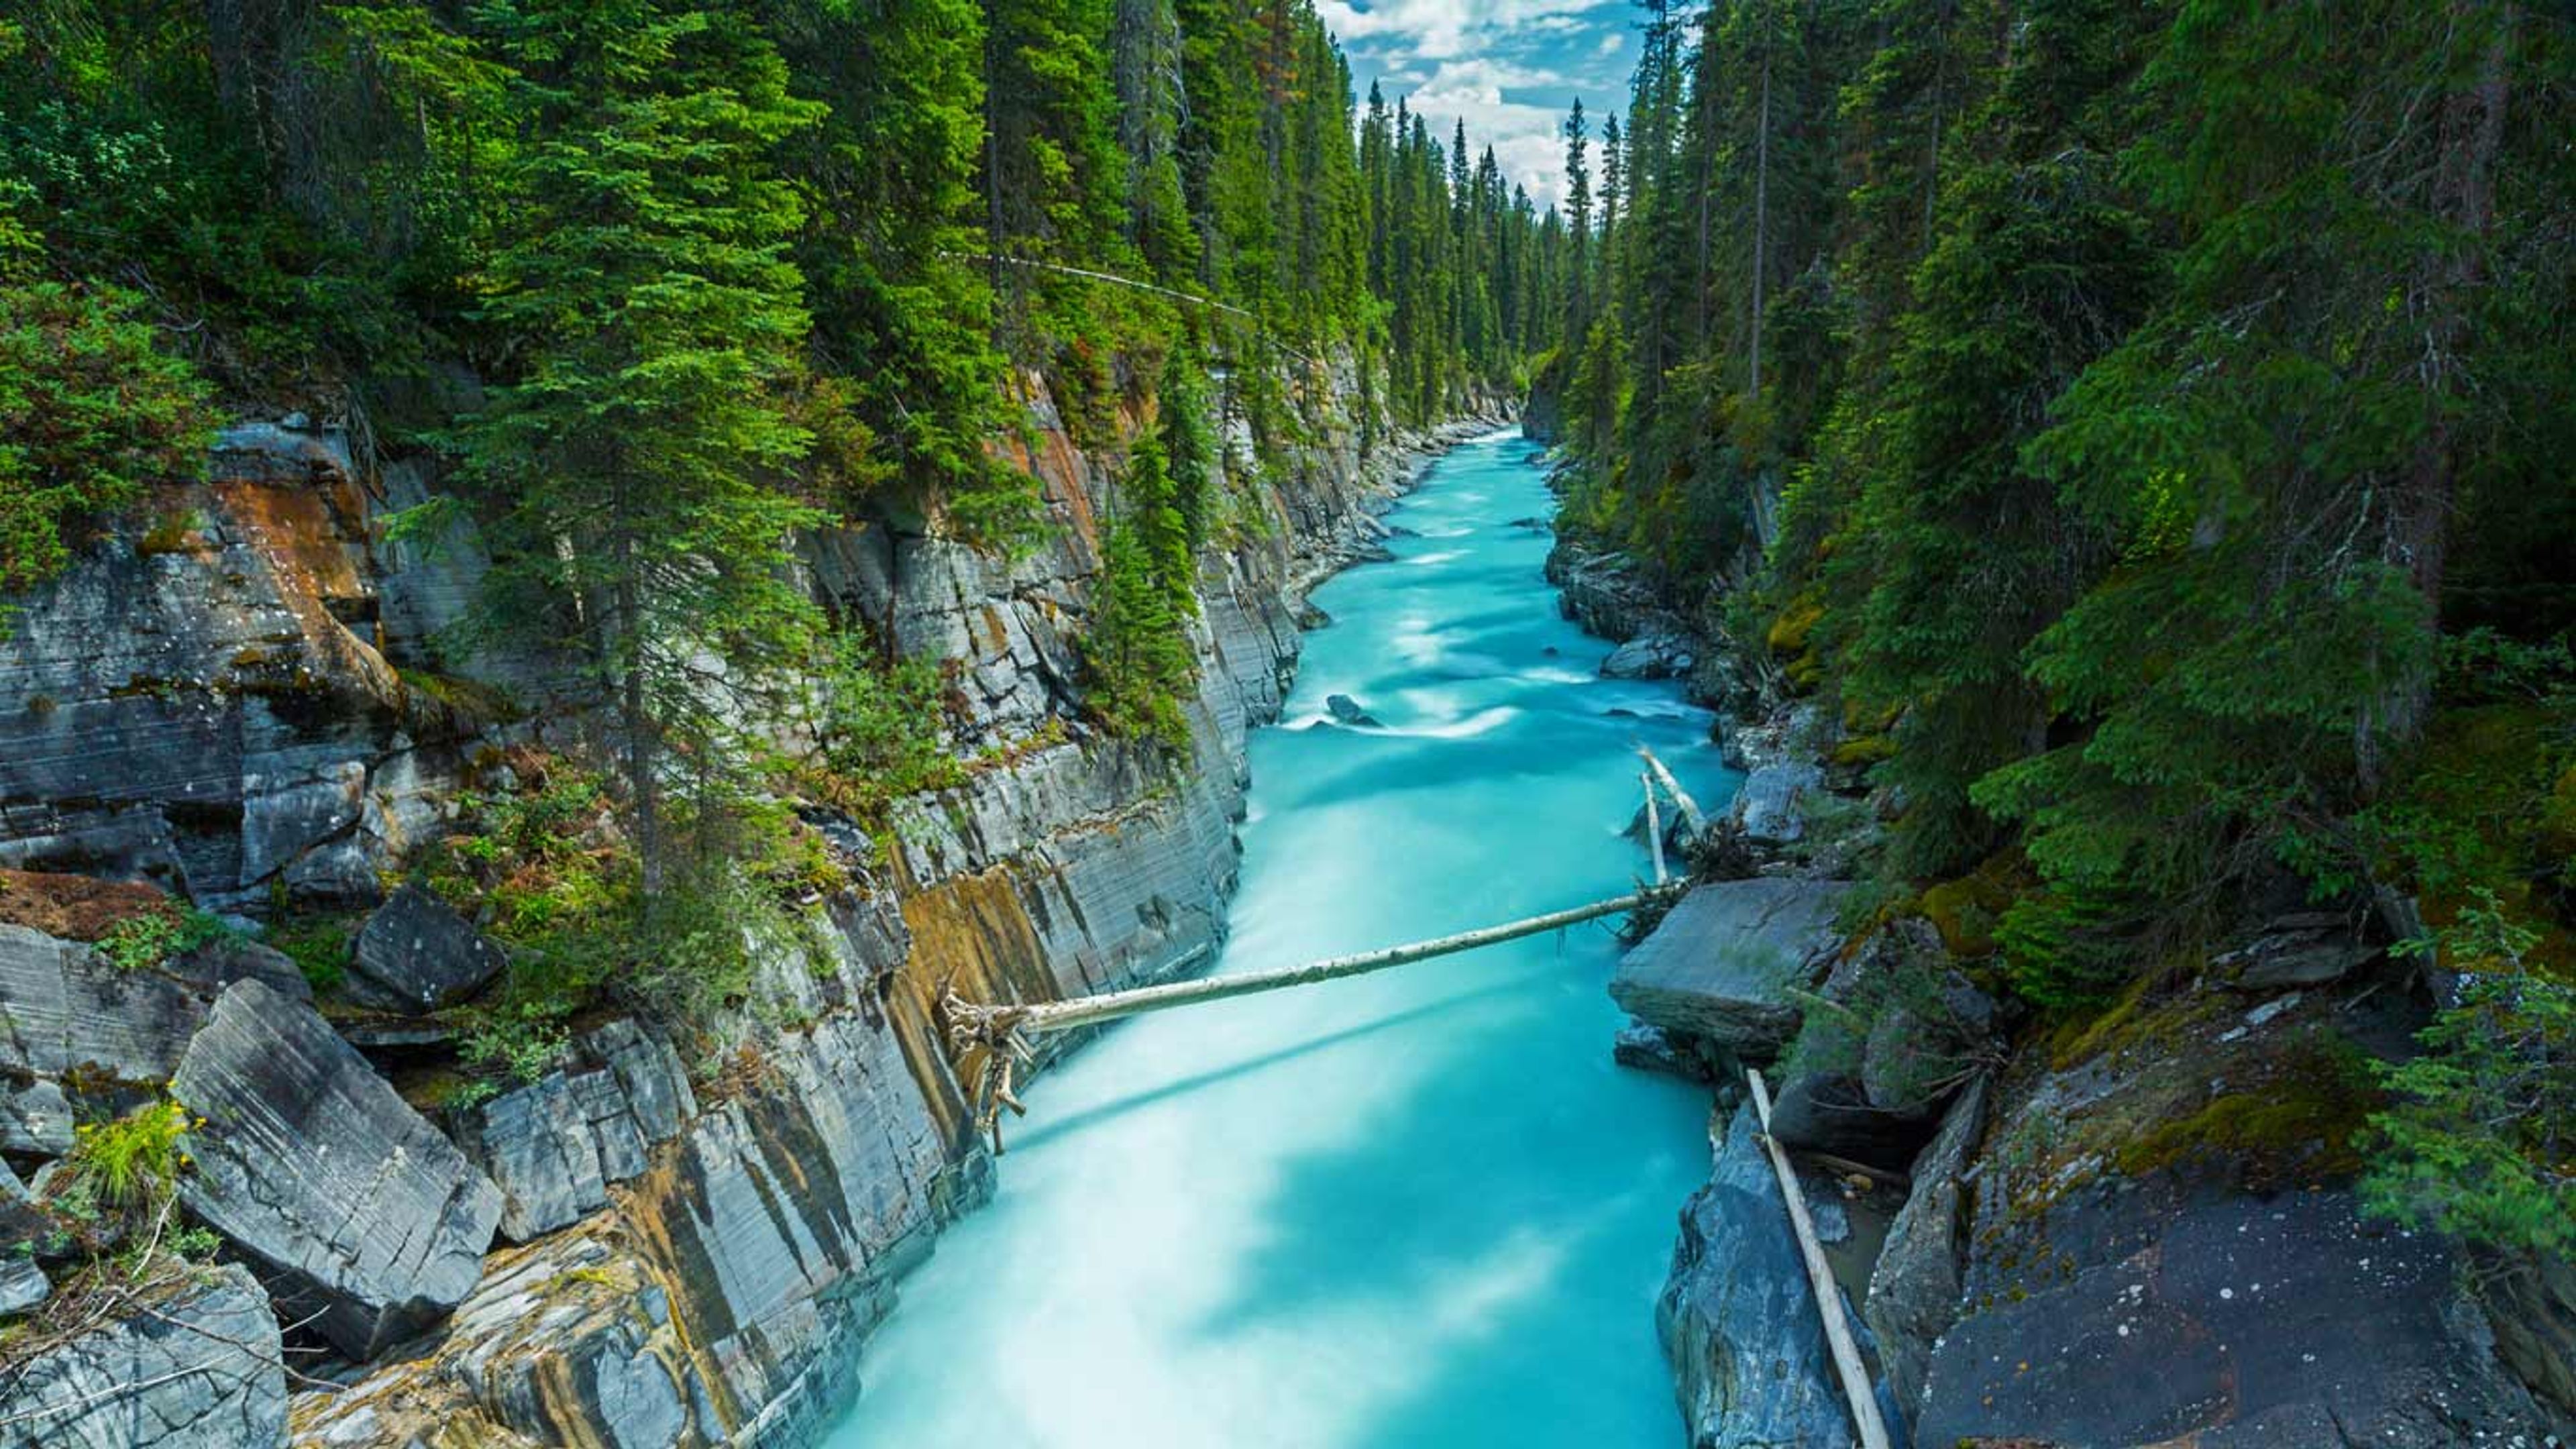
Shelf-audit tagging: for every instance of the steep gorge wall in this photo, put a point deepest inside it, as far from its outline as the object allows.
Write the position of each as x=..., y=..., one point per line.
x=236, y=703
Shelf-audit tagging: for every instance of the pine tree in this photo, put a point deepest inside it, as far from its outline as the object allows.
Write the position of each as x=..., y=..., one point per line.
x=634, y=455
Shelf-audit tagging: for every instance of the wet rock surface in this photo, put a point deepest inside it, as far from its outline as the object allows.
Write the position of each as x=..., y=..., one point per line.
x=1714, y=969
x=359, y=1214
x=200, y=1369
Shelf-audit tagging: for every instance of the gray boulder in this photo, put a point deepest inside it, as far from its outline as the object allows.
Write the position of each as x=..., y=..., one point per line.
x=1738, y=1319
x=62, y=1006
x=415, y=955
x=1649, y=656
x=358, y=1213
x=1715, y=966
x=1766, y=806
x=1914, y=1289
x=1650, y=1049
x=200, y=1366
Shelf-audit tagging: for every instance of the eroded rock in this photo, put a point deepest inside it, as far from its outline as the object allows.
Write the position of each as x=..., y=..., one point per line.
x=1914, y=1289
x=358, y=1213
x=1737, y=1318
x=199, y=1367
x=555, y=1147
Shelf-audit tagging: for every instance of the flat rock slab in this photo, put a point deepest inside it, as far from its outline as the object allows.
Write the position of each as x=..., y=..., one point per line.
x=1767, y=807
x=200, y=1369
x=416, y=954
x=358, y=1212
x=1714, y=968
x=2228, y=1323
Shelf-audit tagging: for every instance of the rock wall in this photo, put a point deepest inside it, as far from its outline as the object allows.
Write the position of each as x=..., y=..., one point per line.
x=236, y=705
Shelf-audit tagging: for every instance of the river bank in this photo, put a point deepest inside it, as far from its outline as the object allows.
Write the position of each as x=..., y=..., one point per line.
x=688, y=1250
x=2124, y=1229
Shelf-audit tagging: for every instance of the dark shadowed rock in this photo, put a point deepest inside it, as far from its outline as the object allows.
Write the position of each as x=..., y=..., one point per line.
x=415, y=955
x=2281, y=960
x=1714, y=968
x=1649, y=1049
x=2532, y=1306
x=1830, y=1112
x=357, y=1212
x=198, y=1367
x=2226, y=1321
x=23, y=1285
x=1737, y=1318
x=1914, y=1289
x=221, y=962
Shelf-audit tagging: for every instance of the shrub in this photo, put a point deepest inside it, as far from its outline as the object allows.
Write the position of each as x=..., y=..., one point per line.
x=879, y=729
x=141, y=943
x=2483, y=1141
x=129, y=1165
x=92, y=415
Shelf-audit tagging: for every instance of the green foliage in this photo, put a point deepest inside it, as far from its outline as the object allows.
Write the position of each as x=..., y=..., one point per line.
x=143, y=942
x=93, y=415
x=509, y=1046
x=1139, y=653
x=2482, y=1142
x=880, y=729
x=131, y=1164
x=319, y=948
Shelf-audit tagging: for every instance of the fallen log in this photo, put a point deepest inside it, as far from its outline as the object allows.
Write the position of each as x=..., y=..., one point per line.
x=1820, y=1278
x=1682, y=801
x=999, y=1035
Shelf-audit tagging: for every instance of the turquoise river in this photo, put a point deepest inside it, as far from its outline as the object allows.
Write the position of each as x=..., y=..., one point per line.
x=1420, y=1208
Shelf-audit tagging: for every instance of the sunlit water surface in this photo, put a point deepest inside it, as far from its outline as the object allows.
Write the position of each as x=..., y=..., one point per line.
x=1416, y=1208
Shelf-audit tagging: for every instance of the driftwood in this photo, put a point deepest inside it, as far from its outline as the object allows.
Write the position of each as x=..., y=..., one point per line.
x=1682, y=801
x=1654, y=827
x=1000, y=1035
x=1820, y=1278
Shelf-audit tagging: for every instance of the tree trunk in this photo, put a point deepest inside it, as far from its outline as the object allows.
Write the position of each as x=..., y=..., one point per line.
x=2417, y=539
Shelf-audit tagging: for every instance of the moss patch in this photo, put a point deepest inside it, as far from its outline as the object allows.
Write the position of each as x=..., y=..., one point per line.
x=2298, y=1124
x=1965, y=911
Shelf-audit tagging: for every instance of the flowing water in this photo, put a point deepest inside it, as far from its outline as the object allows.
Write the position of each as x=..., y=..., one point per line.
x=1411, y=1209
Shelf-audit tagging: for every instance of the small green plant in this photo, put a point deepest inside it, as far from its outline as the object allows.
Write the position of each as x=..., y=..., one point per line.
x=140, y=943
x=510, y=1046
x=2482, y=1143
x=319, y=948
x=130, y=1164
x=879, y=729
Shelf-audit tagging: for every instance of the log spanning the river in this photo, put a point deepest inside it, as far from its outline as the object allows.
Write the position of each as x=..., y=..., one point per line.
x=1000, y=1035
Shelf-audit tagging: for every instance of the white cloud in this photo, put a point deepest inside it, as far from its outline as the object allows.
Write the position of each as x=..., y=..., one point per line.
x=1508, y=68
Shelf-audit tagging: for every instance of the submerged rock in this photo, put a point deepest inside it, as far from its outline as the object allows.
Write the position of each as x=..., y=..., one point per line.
x=1650, y=1049
x=1737, y=1317
x=1716, y=966
x=199, y=1365
x=1348, y=711
x=416, y=954
x=358, y=1213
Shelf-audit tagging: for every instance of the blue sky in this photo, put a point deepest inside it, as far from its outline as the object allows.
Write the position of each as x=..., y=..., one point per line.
x=1509, y=68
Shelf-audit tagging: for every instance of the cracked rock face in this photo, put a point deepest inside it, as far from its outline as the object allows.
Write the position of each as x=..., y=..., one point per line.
x=555, y=1147
x=200, y=1369
x=76, y=1031
x=359, y=1213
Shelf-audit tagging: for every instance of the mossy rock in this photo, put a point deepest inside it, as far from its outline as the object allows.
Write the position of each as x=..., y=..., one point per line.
x=1965, y=911
x=1788, y=633
x=1865, y=750
x=2558, y=818
x=2301, y=1124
